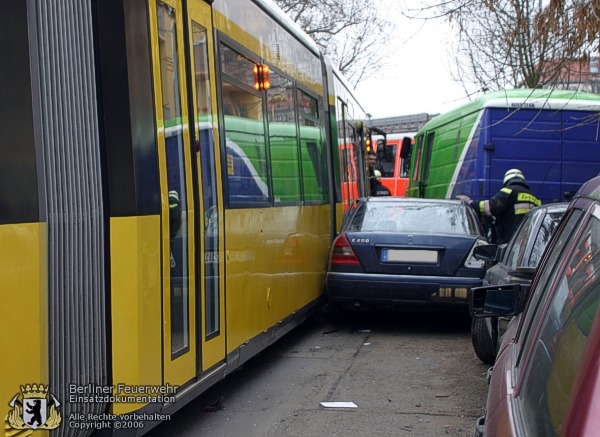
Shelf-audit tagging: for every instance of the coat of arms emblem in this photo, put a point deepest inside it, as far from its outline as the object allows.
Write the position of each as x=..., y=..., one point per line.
x=35, y=407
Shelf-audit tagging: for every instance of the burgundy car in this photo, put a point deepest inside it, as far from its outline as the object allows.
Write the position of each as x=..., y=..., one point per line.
x=546, y=378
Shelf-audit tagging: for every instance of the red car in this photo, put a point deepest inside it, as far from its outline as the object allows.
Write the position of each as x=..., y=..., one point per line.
x=546, y=378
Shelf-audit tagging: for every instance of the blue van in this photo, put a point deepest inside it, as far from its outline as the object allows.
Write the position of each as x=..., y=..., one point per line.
x=552, y=136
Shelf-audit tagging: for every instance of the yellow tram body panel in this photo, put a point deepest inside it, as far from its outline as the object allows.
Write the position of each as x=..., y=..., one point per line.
x=24, y=321
x=271, y=257
x=136, y=304
x=276, y=260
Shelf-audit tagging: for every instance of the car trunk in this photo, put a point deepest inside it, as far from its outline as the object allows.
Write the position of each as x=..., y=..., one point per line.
x=411, y=254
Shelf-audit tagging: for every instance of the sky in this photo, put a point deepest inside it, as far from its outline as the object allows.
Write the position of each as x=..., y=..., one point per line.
x=417, y=79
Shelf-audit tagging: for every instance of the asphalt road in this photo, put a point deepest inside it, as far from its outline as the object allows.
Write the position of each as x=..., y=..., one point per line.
x=408, y=374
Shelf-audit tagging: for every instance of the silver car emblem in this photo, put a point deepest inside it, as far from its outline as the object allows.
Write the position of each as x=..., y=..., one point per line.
x=410, y=239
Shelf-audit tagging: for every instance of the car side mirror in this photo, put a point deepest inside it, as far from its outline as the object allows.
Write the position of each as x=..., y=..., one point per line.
x=497, y=300
x=488, y=252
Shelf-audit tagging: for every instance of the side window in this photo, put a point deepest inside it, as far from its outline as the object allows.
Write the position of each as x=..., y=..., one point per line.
x=283, y=144
x=547, y=271
x=427, y=155
x=561, y=342
x=246, y=149
x=175, y=144
x=386, y=158
x=419, y=147
x=348, y=173
x=515, y=251
x=314, y=167
x=206, y=150
x=547, y=229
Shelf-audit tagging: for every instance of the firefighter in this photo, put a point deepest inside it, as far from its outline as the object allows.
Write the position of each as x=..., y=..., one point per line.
x=508, y=206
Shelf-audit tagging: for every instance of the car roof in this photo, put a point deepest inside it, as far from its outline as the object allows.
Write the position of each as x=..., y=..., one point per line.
x=551, y=207
x=393, y=199
x=590, y=189
x=540, y=212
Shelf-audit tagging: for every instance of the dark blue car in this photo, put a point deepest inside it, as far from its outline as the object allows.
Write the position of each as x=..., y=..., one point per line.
x=399, y=251
x=513, y=263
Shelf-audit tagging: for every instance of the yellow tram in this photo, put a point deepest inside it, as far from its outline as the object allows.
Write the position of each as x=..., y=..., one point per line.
x=170, y=182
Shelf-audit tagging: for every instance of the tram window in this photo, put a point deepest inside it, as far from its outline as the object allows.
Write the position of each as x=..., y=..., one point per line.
x=344, y=146
x=247, y=171
x=174, y=144
x=283, y=140
x=236, y=65
x=313, y=156
x=349, y=157
x=201, y=70
x=208, y=184
x=349, y=175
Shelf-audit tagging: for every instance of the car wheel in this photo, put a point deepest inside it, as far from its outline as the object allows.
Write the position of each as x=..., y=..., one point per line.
x=482, y=341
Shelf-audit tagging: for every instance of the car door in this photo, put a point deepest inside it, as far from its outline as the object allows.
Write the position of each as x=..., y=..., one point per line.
x=556, y=339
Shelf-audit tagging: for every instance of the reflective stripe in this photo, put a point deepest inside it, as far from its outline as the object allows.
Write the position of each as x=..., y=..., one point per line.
x=523, y=208
x=484, y=206
x=506, y=190
x=526, y=197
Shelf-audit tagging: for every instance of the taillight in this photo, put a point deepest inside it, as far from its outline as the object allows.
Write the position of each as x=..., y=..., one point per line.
x=342, y=252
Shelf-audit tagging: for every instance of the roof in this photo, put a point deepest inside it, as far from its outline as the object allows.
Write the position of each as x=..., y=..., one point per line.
x=522, y=98
x=590, y=189
x=412, y=200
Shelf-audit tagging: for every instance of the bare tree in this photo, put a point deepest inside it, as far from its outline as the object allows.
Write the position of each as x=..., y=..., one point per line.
x=576, y=20
x=519, y=43
x=351, y=32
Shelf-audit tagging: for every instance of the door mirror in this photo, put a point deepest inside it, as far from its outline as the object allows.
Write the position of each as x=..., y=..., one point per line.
x=496, y=300
x=488, y=253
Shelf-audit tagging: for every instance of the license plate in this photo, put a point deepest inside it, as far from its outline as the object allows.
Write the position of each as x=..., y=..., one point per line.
x=415, y=256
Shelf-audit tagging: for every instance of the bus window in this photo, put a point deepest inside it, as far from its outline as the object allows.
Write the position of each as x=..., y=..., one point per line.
x=386, y=158
x=393, y=161
x=405, y=154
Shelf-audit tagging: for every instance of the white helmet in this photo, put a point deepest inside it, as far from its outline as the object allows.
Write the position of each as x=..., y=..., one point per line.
x=377, y=174
x=513, y=173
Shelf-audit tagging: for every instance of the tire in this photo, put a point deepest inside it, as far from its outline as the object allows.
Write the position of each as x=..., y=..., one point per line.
x=481, y=337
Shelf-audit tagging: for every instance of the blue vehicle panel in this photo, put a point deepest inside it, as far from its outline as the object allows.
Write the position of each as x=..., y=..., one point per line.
x=552, y=136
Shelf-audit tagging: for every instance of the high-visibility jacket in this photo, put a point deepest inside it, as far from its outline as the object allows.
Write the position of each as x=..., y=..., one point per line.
x=508, y=206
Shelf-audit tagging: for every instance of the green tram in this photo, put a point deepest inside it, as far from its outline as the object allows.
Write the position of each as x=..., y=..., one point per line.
x=552, y=136
x=170, y=183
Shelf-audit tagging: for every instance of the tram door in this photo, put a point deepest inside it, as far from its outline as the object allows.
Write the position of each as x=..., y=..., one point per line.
x=193, y=301
x=212, y=310
x=177, y=218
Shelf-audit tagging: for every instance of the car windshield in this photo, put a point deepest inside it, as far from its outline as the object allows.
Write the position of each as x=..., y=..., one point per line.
x=415, y=217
